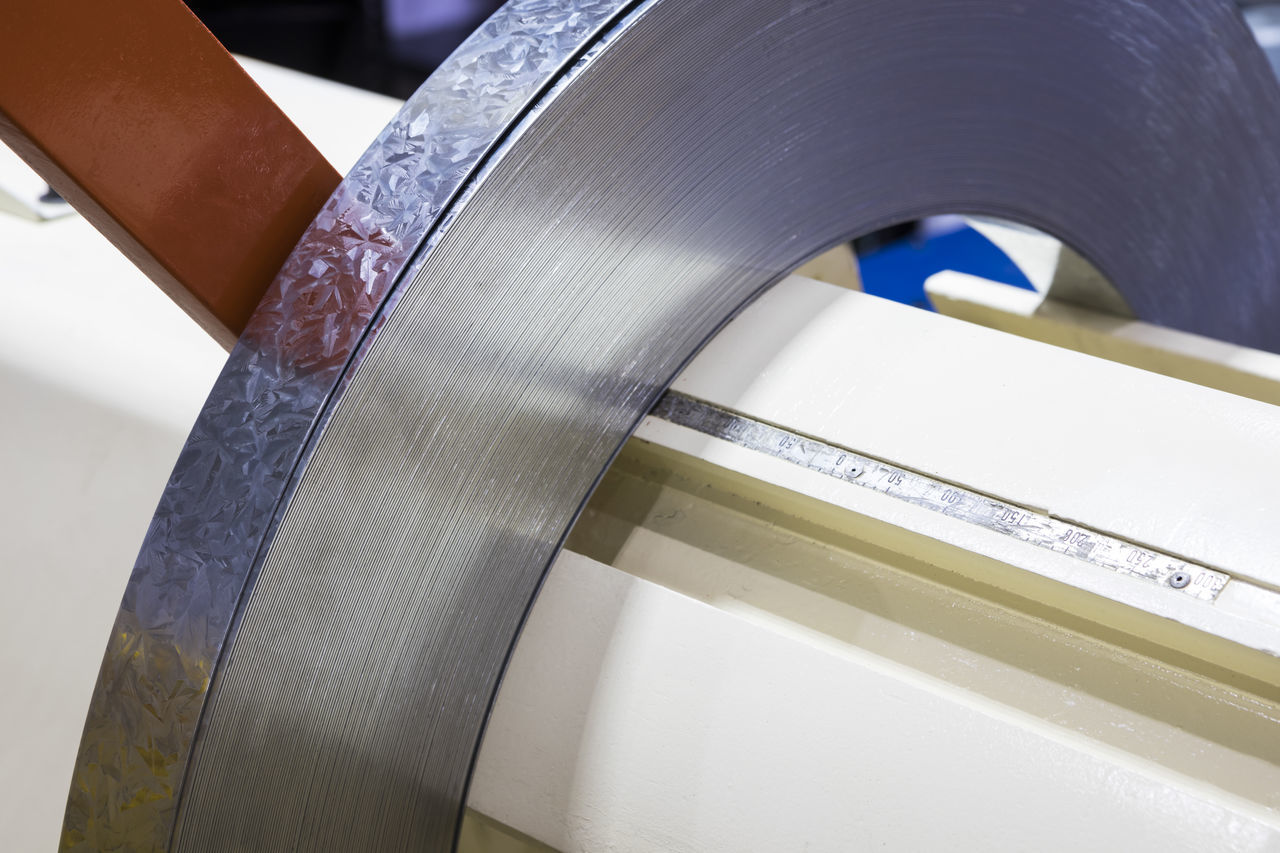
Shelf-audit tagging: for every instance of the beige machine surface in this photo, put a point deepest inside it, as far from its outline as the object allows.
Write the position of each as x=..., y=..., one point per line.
x=862, y=661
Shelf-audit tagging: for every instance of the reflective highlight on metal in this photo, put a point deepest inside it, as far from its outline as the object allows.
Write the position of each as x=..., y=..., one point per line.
x=685, y=161
x=218, y=508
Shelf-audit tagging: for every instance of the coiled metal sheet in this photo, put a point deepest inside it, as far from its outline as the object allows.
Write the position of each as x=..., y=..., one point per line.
x=322, y=608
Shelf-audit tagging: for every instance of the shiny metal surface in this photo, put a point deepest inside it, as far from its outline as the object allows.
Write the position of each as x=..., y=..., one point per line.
x=220, y=504
x=1022, y=523
x=692, y=155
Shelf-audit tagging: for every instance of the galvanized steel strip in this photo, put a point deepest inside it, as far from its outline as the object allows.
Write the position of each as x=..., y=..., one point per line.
x=695, y=153
x=218, y=508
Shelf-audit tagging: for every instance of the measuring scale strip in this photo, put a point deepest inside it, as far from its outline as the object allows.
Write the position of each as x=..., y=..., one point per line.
x=1008, y=519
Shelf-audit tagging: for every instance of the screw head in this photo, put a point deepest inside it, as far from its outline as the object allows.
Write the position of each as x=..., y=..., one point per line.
x=1179, y=580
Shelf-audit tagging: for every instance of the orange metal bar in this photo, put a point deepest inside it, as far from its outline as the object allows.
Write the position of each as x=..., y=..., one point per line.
x=135, y=113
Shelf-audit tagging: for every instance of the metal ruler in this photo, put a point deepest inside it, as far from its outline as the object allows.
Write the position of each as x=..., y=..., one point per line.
x=1017, y=522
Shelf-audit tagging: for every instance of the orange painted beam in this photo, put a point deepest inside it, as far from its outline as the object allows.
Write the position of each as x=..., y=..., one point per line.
x=139, y=118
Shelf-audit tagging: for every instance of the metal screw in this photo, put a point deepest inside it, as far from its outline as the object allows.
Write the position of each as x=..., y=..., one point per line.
x=1178, y=580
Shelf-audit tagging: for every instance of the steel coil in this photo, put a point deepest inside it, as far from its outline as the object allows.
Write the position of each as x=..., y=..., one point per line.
x=493, y=298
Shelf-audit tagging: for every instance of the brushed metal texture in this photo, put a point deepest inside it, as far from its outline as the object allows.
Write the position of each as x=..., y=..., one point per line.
x=692, y=155
x=218, y=507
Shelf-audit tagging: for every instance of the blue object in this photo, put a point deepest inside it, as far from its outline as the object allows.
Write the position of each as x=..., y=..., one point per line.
x=898, y=270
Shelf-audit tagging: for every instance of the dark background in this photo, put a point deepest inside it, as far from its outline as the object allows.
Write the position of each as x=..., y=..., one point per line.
x=387, y=46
